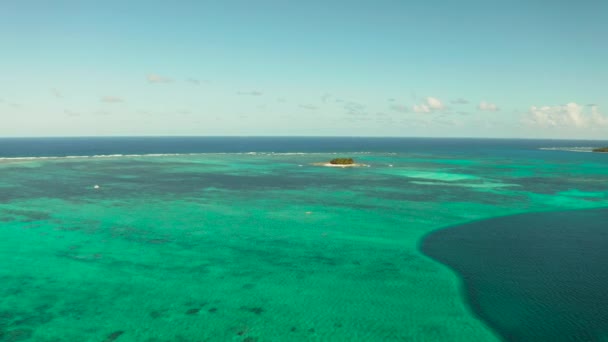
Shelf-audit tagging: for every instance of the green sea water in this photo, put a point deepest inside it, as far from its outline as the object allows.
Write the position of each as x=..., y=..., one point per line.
x=255, y=247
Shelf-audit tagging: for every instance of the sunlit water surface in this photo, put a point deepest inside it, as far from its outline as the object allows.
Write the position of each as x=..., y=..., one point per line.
x=198, y=240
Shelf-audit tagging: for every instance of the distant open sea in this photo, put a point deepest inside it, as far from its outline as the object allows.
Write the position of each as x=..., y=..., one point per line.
x=160, y=239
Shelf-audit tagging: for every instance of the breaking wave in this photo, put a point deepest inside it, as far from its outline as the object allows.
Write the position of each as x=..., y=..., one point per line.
x=568, y=149
x=148, y=155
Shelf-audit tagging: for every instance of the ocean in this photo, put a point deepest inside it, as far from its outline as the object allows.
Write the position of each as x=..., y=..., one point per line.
x=244, y=239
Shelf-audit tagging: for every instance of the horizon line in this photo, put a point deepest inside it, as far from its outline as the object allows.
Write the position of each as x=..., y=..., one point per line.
x=288, y=136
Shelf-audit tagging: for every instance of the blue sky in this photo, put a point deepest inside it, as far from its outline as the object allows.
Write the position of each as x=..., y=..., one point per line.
x=370, y=68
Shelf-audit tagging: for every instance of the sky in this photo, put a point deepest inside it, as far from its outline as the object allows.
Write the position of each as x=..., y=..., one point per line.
x=491, y=68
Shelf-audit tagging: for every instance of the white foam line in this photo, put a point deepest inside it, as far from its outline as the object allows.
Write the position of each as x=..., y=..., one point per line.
x=568, y=149
x=181, y=155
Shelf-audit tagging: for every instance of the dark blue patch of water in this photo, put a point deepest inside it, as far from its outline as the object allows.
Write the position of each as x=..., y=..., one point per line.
x=533, y=277
x=90, y=146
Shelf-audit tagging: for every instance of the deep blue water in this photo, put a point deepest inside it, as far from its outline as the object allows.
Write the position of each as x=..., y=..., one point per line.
x=533, y=277
x=89, y=146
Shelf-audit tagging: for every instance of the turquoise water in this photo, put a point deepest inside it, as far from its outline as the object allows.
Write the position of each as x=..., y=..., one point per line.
x=262, y=246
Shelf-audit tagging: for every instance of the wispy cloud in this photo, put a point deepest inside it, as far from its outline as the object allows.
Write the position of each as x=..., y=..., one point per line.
x=309, y=107
x=70, y=113
x=460, y=101
x=250, y=93
x=487, y=106
x=400, y=108
x=155, y=78
x=112, y=99
x=450, y=122
x=354, y=108
x=56, y=93
x=193, y=81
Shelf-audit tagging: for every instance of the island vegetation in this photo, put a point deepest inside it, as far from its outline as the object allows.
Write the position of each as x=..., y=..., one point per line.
x=601, y=149
x=342, y=161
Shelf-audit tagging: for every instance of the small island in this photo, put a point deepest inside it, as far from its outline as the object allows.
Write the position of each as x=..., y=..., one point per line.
x=340, y=162
x=601, y=149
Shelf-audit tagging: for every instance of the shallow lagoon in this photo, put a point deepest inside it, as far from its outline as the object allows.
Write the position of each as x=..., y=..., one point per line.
x=255, y=247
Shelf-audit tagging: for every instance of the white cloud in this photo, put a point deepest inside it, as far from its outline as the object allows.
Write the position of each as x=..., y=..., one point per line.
x=434, y=103
x=154, y=78
x=570, y=115
x=431, y=104
x=597, y=117
x=421, y=108
x=487, y=106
